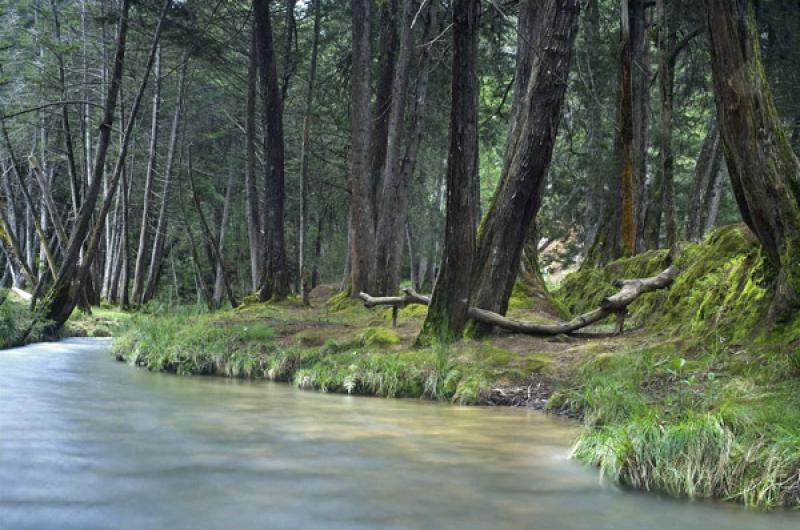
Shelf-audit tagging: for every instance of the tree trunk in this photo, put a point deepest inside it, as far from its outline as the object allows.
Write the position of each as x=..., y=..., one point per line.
x=706, y=176
x=640, y=96
x=666, y=77
x=275, y=280
x=157, y=256
x=628, y=191
x=304, y=149
x=549, y=38
x=141, y=252
x=764, y=171
x=713, y=197
x=251, y=197
x=362, y=220
x=219, y=282
x=398, y=172
x=447, y=313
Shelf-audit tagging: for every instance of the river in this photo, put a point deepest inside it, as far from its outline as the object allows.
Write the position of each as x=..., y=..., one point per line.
x=90, y=443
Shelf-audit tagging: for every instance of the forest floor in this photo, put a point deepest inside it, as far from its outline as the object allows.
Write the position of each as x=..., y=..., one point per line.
x=699, y=397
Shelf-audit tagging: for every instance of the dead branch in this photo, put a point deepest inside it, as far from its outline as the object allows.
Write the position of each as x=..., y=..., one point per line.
x=617, y=304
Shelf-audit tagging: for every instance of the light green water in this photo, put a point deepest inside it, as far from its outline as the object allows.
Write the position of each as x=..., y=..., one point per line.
x=86, y=442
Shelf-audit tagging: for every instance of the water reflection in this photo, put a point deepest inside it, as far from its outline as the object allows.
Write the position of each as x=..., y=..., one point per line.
x=86, y=442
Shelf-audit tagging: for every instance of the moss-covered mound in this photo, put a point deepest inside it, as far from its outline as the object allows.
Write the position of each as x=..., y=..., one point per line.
x=709, y=404
x=722, y=288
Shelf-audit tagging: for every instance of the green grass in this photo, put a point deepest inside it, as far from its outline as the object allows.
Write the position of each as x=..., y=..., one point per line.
x=709, y=406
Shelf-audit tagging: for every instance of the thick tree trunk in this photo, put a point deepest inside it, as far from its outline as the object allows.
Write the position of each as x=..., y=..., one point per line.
x=158, y=254
x=447, y=313
x=528, y=153
x=362, y=220
x=141, y=252
x=764, y=171
x=304, y=149
x=275, y=279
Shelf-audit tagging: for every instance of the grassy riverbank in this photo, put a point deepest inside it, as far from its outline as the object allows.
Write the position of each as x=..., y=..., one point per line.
x=701, y=398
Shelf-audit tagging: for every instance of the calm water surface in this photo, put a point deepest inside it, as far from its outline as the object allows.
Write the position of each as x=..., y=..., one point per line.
x=86, y=442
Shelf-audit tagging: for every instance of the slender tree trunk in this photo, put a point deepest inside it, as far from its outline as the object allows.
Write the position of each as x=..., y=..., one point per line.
x=219, y=282
x=706, y=177
x=141, y=252
x=251, y=197
x=304, y=149
x=275, y=281
x=713, y=198
x=362, y=220
x=447, y=313
x=628, y=225
x=389, y=42
x=764, y=171
x=666, y=77
x=397, y=171
x=640, y=96
x=157, y=256
x=550, y=34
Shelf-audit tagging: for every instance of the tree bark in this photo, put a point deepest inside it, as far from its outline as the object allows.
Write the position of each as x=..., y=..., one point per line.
x=275, y=278
x=251, y=197
x=362, y=220
x=628, y=205
x=304, y=149
x=447, y=313
x=764, y=171
x=518, y=197
x=666, y=75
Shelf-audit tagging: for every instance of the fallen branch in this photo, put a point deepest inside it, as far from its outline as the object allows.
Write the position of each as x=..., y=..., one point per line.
x=617, y=304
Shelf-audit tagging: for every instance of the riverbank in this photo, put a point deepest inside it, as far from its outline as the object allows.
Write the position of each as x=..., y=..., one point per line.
x=701, y=399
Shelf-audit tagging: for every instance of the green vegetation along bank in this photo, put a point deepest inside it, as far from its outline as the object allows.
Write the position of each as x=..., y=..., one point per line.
x=700, y=397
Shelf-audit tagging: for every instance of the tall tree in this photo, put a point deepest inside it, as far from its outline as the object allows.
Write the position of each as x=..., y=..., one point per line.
x=764, y=171
x=275, y=279
x=447, y=313
x=547, y=31
x=362, y=221
x=251, y=196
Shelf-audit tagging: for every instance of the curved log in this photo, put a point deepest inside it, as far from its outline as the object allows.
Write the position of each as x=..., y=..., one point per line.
x=617, y=304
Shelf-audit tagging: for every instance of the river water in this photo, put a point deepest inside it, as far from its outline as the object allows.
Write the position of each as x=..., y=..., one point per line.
x=86, y=442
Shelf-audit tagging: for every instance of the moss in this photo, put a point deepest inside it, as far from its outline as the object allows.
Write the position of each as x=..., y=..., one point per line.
x=416, y=311
x=375, y=336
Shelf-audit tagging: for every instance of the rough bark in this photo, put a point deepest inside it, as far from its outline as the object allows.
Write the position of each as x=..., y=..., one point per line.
x=275, y=277
x=628, y=191
x=764, y=171
x=528, y=154
x=447, y=313
x=304, y=149
x=640, y=95
x=362, y=221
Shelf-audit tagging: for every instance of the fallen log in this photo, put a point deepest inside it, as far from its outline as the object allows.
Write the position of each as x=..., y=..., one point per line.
x=617, y=304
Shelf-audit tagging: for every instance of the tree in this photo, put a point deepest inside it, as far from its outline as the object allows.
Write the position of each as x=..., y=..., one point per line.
x=450, y=302
x=362, y=220
x=764, y=171
x=275, y=276
x=547, y=31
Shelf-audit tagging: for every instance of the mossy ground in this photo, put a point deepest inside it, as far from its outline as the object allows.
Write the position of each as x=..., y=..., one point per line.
x=700, y=397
